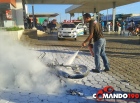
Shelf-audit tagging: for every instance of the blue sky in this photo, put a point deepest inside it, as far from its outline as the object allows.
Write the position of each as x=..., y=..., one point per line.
x=60, y=9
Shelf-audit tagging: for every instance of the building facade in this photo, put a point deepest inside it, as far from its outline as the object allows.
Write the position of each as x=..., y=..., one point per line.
x=11, y=13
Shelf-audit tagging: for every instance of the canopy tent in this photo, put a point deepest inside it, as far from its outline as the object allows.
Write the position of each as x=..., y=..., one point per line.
x=84, y=5
x=95, y=6
x=57, y=1
x=88, y=6
x=41, y=17
x=45, y=15
x=99, y=5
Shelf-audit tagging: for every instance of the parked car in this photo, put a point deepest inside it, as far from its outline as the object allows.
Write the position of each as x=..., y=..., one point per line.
x=85, y=26
x=70, y=30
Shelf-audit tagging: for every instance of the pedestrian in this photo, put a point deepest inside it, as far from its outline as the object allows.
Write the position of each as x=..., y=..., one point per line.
x=122, y=27
x=45, y=23
x=29, y=23
x=25, y=23
x=95, y=33
x=35, y=21
x=111, y=26
x=108, y=26
x=116, y=26
x=103, y=25
x=132, y=28
x=51, y=27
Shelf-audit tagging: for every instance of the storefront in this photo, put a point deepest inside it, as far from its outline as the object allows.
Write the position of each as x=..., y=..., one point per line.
x=11, y=13
x=5, y=14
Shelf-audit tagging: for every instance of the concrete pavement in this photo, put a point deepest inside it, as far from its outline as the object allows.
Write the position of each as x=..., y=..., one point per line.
x=124, y=75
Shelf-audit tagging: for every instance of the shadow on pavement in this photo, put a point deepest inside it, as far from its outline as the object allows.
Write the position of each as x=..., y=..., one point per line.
x=125, y=41
x=53, y=36
x=30, y=33
x=123, y=54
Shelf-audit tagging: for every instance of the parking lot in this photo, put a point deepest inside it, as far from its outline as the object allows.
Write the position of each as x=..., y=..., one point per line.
x=124, y=57
x=123, y=52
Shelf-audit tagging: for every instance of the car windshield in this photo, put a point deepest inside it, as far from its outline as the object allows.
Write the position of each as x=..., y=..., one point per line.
x=68, y=26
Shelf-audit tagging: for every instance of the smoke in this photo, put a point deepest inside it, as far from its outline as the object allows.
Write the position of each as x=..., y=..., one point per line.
x=71, y=59
x=20, y=68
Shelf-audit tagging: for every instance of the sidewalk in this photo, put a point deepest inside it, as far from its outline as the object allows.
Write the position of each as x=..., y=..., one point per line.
x=124, y=75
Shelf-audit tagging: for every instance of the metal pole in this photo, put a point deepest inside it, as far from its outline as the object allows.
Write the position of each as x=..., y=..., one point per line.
x=107, y=16
x=24, y=11
x=114, y=13
x=33, y=16
x=95, y=13
x=82, y=17
x=98, y=16
x=66, y=16
x=70, y=17
x=60, y=18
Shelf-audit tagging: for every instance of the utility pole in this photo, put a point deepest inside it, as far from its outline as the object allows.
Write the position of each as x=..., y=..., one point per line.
x=33, y=13
x=60, y=17
x=107, y=16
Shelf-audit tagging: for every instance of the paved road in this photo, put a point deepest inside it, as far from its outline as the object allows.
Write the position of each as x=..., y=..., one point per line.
x=123, y=53
x=124, y=75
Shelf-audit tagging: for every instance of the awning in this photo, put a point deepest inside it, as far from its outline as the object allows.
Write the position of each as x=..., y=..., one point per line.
x=45, y=15
x=88, y=7
x=57, y=1
x=84, y=5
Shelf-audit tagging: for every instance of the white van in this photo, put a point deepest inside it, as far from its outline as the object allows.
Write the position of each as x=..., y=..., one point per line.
x=70, y=30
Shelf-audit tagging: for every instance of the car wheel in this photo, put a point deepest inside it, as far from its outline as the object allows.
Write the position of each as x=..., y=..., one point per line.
x=85, y=33
x=58, y=38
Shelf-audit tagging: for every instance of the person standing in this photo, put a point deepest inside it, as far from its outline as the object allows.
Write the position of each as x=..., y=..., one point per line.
x=116, y=26
x=35, y=21
x=95, y=33
x=29, y=23
x=132, y=27
x=103, y=25
x=51, y=27
x=122, y=27
x=108, y=26
x=25, y=23
x=45, y=23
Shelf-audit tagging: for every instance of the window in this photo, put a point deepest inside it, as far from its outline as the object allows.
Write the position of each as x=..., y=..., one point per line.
x=80, y=26
x=68, y=26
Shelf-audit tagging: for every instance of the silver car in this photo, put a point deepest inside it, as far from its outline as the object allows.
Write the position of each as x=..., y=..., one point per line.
x=70, y=30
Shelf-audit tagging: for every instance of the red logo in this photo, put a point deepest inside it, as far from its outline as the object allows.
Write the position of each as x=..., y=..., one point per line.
x=107, y=89
x=108, y=92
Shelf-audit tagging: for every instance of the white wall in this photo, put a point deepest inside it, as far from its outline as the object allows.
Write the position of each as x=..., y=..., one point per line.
x=26, y=9
x=13, y=9
x=19, y=13
x=8, y=23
